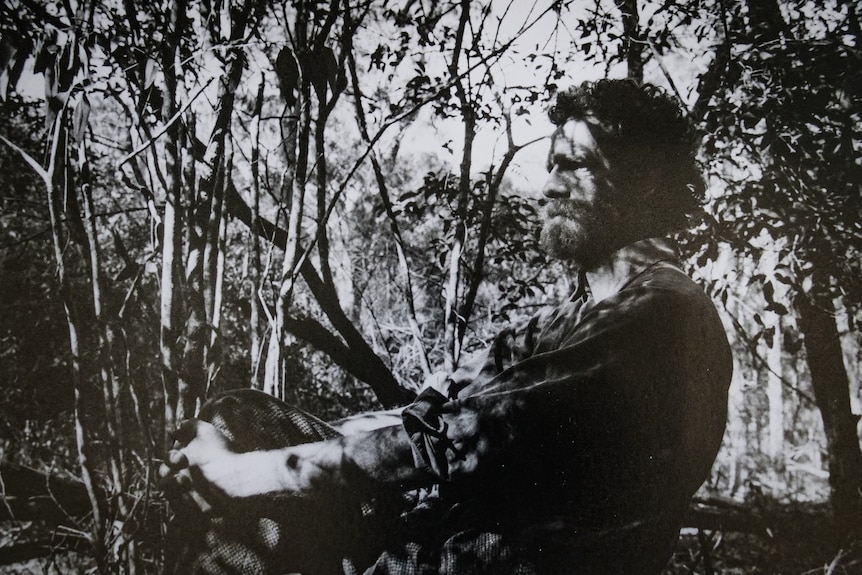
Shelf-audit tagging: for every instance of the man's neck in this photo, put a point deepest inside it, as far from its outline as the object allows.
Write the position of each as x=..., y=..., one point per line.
x=607, y=278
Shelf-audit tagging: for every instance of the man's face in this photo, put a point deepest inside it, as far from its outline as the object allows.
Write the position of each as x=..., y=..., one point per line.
x=580, y=225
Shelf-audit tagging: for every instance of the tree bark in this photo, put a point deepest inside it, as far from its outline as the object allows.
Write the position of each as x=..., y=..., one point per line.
x=453, y=320
x=171, y=228
x=831, y=391
x=254, y=273
x=633, y=45
x=82, y=434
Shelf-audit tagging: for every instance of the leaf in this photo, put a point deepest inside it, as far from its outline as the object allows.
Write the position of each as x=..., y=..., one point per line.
x=34, y=165
x=769, y=336
x=8, y=49
x=46, y=52
x=149, y=72
x=769, y=292
x=67, y=66
x=129, y=271
x=777, y=308
x=120, y=247
x=53, y=98
x=784, y=279
x=321, y=69
x=81, y=119
x=287, y=70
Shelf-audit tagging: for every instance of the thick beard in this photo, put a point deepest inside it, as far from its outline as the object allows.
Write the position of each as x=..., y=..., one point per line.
x=584, y=236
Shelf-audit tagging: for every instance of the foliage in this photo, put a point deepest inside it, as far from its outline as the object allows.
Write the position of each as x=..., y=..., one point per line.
x=791, y=121
x=517, y=262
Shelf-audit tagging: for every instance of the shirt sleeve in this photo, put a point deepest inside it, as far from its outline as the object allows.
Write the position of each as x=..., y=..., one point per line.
x=607, y=392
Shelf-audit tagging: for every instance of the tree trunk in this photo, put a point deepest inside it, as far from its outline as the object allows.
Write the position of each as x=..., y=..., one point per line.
x=172, y=224
x=254, y=273
x=82, y=434
x=831, y=390
x=775, y=395
x=632, y=43
x=453, y=320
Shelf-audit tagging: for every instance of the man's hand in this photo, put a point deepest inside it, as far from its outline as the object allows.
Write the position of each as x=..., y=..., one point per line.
x=202, y=466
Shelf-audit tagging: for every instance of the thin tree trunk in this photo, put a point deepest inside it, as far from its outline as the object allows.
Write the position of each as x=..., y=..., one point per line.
x=383, y=190
x=81, y=433
x=272, y=366
x=454, y=320
x=213, y=350
x=294, y=187
x=214, y=359
x=774, y=376
x=254, y=265
x=172, y=228
x=775, y=399
x=775, y=395
x=633, y=45
x=321, y=171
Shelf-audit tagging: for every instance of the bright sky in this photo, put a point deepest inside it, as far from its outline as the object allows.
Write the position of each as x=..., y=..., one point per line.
x=528, y=169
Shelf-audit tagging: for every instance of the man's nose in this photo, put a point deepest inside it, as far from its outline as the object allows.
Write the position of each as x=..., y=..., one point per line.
x=555, y=187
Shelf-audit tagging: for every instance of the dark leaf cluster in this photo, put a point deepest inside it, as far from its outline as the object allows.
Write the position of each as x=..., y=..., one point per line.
x=792, y=119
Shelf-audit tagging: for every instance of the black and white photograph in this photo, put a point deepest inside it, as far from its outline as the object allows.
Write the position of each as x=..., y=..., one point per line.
x=431, y=287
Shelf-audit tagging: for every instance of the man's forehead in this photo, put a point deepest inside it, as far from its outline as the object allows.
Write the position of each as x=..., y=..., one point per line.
x=576, y=134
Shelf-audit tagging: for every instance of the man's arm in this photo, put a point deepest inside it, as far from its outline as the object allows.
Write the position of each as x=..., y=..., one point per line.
x=648, y=350
x=203, y=463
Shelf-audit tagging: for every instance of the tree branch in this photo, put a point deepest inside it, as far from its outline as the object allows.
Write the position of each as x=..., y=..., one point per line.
x=372, y=369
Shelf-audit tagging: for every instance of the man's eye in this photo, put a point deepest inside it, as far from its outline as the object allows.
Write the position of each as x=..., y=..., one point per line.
x=570, y=164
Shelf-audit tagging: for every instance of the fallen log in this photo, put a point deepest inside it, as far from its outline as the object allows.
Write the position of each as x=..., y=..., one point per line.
x=27, y=494
x=718, y=514
x=42, y=547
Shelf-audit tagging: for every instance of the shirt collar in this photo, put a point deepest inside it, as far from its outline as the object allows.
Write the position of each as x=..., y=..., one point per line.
x=627, y=263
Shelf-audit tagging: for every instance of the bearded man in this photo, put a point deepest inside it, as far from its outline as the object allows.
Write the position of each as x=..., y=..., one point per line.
x=573, y=444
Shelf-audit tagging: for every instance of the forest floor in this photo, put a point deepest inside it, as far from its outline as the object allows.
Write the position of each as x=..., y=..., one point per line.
x=768, y=539
x=785, y=540
x=749, y=554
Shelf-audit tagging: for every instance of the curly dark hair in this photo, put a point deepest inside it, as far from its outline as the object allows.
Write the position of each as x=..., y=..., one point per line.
x=650, y=143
